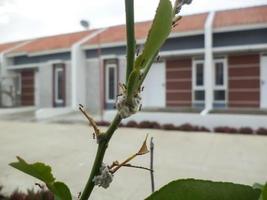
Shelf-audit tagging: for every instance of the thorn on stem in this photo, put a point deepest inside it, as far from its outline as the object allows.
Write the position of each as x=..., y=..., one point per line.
x=142, y=89
x=140, y=108
x=39, y=185
x=142, y=62
x=137, y=51
x=90, y=119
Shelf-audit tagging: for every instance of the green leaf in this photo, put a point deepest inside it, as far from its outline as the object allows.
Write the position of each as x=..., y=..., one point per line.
x=264, y=192
x=37, y=170
x=61, y=191
x=191, y=189
x=159, y=31
x=44, y=173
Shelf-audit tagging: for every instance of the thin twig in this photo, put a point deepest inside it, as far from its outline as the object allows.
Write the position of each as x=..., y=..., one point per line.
x=142, y=151
x=91, y=120
x=123, y=163
x=135, y=166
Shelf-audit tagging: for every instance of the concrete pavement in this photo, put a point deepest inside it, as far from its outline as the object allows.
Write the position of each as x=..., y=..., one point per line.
x=70, y=149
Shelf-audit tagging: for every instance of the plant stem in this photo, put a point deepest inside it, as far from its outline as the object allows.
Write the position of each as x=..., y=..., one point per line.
x=103, y=144
x=129, y=8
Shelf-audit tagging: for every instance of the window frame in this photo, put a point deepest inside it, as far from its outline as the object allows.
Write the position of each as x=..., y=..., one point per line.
x=58, y=68
x=225, y=80
x=108, y=66
x=196, y=87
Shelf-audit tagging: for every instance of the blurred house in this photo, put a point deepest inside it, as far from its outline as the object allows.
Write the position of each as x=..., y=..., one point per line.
x=211, y=63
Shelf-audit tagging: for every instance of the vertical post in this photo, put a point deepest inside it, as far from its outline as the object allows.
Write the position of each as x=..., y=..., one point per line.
x=78, y=66
x=152, y=164
x=101, y=78
x=208, y=68
x=1, y=72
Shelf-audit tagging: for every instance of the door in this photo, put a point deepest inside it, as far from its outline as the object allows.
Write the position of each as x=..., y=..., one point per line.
x=27, y=87
x=264, y=82
x=59, y=86
x=154, y=94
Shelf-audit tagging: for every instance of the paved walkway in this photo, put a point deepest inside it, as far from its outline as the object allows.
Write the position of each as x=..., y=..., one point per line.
x=25, y=114
x=69, y=149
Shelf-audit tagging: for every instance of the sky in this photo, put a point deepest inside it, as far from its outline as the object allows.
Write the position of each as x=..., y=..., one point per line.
x=23, y=19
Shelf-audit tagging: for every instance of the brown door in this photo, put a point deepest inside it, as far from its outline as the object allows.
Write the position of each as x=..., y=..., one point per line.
x=27, y=87
x=59, y=97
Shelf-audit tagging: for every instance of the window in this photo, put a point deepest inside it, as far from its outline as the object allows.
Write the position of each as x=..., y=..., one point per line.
x=198, y=82
x=219, y=73
x=59, y=83
x=220, y=81
x=199, y=95
x=199, y=74
x=111, y=83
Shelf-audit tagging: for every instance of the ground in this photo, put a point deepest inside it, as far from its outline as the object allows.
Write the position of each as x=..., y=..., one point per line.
x=70, y=149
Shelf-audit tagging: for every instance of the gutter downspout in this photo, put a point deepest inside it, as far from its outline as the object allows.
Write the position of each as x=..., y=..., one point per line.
x=78, y=65
x=208, y=68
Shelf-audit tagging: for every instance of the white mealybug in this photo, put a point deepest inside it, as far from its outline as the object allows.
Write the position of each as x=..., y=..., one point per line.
x=124, y=108
x=104, y=178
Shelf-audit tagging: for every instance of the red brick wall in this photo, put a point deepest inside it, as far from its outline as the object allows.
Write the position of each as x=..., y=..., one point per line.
x=244, y=80
x=179, y=83
x=27, y=87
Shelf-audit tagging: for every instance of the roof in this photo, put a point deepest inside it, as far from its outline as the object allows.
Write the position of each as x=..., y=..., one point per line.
x=57, y=42
x=239, y=17
x=6, y=46
x=116, y=34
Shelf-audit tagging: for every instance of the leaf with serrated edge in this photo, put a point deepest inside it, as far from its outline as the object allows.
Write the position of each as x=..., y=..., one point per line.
x=191, y=189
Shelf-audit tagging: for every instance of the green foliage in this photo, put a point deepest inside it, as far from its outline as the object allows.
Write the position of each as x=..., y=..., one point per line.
x=264, y=192
x=263, y=189
x=158, y=33
x=191, y=189
x=44, y=173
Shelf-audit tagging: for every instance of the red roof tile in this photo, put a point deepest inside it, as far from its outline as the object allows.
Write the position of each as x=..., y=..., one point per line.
x=242, y=16
x=7, y=46
x=116, y=34
x=57, y=42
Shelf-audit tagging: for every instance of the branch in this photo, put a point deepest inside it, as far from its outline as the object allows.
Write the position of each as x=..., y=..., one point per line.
x=134, y=166
x=103, y=144
x=91, y=120
x=131, y=45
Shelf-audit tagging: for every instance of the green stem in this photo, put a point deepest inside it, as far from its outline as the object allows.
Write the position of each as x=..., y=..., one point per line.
x=129, y=8
x=99, y=157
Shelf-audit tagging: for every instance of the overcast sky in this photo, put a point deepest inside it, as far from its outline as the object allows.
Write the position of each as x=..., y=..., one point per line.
x=22, y=19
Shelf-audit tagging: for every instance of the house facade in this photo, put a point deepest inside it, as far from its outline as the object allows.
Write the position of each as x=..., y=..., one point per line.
x=211, y=62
